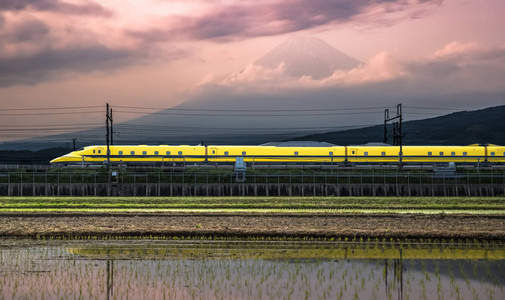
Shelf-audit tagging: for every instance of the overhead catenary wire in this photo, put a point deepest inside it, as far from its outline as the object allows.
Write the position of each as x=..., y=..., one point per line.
x=278, y=110
x=23, y=130
x=51, y=108
x=247, y=110
x=50, y=113
x=50, y=125
x=259, y=115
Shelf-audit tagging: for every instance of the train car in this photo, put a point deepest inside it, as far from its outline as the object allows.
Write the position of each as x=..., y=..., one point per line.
x=271, y=154
x=165, y=155
x=133, y=155
x=495, y=153
x=417, y=154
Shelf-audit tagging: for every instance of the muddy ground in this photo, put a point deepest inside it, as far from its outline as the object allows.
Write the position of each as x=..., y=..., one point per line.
x=401, y=226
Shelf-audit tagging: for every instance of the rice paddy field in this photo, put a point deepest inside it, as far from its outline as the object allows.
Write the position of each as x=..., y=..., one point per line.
x=291, y=217
x=196, y=269
x=421, y=205
x=252, y=248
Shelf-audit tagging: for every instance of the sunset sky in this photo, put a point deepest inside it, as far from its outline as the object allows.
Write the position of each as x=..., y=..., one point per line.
x=160, y=53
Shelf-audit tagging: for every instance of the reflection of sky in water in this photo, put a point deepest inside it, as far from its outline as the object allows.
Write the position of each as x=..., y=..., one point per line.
x=51, y=271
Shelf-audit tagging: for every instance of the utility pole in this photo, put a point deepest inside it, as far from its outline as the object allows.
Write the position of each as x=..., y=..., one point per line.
x=111, y=130
x=73, y=140
x=397, y=131
x=386, y=117
x=108, y=119
x=107, y=134
x=400, y=135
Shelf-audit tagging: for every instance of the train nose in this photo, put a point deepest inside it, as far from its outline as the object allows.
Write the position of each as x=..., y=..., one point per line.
x=66, y=158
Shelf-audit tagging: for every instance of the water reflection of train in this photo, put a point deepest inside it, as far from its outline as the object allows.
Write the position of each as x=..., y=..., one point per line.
x=166, y=155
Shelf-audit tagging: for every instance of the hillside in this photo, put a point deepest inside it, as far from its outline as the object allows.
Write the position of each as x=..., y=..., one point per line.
x=460, y=128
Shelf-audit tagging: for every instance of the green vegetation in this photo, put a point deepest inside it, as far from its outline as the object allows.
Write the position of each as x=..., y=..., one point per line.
x=423, y=205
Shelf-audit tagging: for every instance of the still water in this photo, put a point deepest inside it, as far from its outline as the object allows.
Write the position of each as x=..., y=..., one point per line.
x=203, y=269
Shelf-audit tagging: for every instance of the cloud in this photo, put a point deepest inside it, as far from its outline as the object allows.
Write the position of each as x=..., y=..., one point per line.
x=34, y=48
x=460, y=66
x=455, y=68
x=243, y=19
x=40, y=66
x=381, y=67
x=27, y=29
x=86, y=7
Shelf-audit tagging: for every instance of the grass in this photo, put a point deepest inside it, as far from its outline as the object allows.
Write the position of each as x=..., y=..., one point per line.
x=331, y=205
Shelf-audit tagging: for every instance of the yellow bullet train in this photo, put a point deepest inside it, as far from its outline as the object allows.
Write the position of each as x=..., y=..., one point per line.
x=165, y=155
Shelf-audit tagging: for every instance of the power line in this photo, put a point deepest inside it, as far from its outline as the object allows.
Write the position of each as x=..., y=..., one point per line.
x=51, y=108
x=434, y=108
x=178, y=128
x=50, y=125
x=247, y=115
x=49, y=114
x=248, y=110
x=43, y=129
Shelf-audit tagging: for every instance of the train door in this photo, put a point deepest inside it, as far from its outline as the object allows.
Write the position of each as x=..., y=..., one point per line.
x=100, y=154
x=352, y=154
x=212, y=152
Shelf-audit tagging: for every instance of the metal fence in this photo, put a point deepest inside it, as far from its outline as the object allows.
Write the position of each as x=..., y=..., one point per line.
x=77, y=177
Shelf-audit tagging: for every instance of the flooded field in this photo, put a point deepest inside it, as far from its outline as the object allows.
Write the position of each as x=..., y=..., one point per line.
x=206, y=269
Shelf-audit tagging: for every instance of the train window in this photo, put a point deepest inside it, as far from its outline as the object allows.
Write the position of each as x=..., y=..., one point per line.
x=93, y=151
x=144, y=152
x=226, y=153
x=213, y=151
x=243, y=153
x=366, y=153
x=453, y=153
x=180, y=152
x=331, y=153
x=464, y=153
x=120, y=152
x=99, y=151
x=400, y=153
x=296, y=152
x=132, y=152
x=383, y=153
x=492, y=153
x=429, y=153
x=352, y=151
x=441, y=153
x=168, y=152
x=156, y=153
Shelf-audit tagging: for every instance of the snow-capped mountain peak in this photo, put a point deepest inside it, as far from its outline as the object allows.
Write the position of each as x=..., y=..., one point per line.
x=308, y=56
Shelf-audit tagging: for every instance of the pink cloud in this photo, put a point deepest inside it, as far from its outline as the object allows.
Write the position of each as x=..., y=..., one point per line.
x=454, y=67
x=83, y=7
x=457, y=49
x=87, y=36
x=242, y=19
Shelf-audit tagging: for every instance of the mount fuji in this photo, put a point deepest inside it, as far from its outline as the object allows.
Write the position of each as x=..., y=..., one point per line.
x=308, y=56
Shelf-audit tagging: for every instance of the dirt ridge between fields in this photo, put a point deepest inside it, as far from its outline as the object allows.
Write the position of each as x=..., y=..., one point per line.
x=253, y=225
